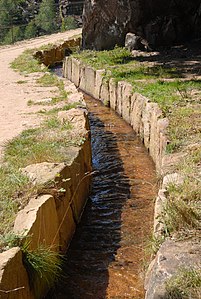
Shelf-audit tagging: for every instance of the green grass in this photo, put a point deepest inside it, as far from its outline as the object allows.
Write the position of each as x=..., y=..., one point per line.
x=49, y=79
x=44, y=267
x=182, y=211
x=11, y=199
x=26, y=63
x=105, y=59
x=45, y=144
x=184, y=127
x=185, y=284
x=167, y=94
x=54, y=111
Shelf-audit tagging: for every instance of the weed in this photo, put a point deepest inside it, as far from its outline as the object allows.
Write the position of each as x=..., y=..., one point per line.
x=11, y=198
x=30, y=103
x=182, y=209
x=52, y=123
x=21, y=82
x=188, y=129
x=44, y=266
x=10, y=240
x=154, y=243
x=54, y=111
x=185, y=284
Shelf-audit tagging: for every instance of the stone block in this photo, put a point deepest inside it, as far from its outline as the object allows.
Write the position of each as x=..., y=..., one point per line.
x=76, y=71
x=120, y=86
x=163, y=140
x=158, y=208
x=66, y=220
x=104, y=93
x=90, y=75
x=67, y=71
x=14, y=281
x=127, y=91
x=138, y=103
x=34, y=221
x=99, y=74
x=171, y=257
x=83, y=79
x=154, y=147
x=113, y=93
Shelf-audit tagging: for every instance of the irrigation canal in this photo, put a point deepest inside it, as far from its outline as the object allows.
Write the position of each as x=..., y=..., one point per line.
x=107, y=254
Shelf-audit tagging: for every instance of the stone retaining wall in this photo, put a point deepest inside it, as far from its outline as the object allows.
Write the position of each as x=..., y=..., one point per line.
x=145, y=117
x=51, y=217
x=147, y=121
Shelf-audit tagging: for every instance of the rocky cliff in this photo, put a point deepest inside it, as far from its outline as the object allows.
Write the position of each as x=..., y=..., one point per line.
x=160, y=23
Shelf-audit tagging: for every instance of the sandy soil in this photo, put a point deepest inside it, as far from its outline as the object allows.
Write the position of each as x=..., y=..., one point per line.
x=15, y=114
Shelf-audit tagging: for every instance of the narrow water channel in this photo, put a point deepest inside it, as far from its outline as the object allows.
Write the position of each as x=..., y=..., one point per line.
x=106, y=257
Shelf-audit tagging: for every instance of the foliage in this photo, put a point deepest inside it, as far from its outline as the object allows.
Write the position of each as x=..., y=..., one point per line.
x=46, y=18
x=44, y=266
x=184, y=285
x=30, y=30
x=10, y=240
x=14, y=34
x=68, y=23
x=182, y=213
x=11, y=198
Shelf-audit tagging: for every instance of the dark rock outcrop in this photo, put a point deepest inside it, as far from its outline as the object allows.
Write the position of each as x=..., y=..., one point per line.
x=160, y=23
x=105, y=23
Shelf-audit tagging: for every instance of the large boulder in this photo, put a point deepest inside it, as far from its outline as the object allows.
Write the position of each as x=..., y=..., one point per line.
x=160, y=23
x=105, y=23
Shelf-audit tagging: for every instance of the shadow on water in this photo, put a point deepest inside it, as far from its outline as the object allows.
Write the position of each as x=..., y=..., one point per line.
x=105, y=254
x=98, y=235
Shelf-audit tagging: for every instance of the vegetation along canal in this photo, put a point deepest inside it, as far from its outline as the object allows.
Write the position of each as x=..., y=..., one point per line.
x=107, y=254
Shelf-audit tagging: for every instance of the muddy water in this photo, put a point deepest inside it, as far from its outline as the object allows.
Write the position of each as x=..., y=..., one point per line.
x=106, y=256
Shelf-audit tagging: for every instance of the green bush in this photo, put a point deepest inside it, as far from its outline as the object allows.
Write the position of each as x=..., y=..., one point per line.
x=68, y=23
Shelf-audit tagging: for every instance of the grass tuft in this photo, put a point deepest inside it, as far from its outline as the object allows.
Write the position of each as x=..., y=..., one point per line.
x=44, y=267
x=184, y=285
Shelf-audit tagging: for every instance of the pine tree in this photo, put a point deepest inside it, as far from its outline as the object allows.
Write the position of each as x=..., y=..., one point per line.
x=10, y=15
x=31, y=30
x=46, y=18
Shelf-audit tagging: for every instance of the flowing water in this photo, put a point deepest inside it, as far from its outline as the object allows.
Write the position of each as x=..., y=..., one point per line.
x=106, y=256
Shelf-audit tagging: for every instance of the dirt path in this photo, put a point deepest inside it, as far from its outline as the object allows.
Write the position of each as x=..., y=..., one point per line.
x=15, y=114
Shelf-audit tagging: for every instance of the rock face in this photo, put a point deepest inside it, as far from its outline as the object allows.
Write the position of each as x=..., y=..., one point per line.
x=171, y=257
x=105, y=23
x=160, y=23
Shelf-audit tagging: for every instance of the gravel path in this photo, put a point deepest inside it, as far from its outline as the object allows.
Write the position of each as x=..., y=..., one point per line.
x=15, y=114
